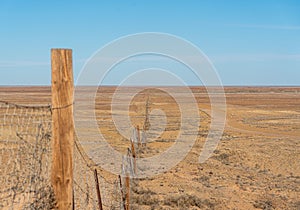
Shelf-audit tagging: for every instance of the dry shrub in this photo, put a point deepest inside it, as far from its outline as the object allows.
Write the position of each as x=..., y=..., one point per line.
x=263, y=204
x=142, y=196
x=145, y=200
x=187, y=201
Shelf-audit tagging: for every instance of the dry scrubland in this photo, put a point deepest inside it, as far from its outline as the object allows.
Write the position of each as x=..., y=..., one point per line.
x=255, y=166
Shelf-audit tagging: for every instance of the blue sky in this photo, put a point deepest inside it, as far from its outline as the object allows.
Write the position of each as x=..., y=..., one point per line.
x=249, y=42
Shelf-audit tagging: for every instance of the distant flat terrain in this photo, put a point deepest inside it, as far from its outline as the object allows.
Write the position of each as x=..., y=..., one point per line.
x=255, y=166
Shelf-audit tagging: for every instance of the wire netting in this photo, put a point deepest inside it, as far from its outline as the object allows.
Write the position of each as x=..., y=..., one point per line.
x=25, y=157
x=25, y=164
x=85, y=196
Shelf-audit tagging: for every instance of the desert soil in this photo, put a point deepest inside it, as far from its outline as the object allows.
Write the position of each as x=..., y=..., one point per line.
x=256, y=165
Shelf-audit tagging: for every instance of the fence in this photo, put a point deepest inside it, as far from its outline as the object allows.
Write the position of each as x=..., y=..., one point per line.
x=43, y=166
x=25, y=157
x=85, y=185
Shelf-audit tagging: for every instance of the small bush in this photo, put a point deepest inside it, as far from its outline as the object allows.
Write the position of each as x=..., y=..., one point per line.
x=263, y=204
x=145, y=200
x=184, y=201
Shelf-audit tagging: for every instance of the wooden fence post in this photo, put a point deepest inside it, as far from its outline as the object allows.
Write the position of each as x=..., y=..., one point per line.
x=62, y=127
x=138, y=136
x=127, y=195
x=122, y=193
x=134, y=156
x=98, y=190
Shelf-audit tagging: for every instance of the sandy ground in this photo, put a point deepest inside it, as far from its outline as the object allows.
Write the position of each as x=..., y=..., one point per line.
x=255, y=166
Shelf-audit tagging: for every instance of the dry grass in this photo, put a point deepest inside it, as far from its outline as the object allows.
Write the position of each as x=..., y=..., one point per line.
x=256, y=164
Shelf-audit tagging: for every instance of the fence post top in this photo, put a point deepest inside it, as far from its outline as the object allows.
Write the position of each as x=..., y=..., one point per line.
x=61, y=49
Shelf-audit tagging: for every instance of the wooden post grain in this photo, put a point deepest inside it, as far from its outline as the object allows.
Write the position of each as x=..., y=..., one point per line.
x=62, y=127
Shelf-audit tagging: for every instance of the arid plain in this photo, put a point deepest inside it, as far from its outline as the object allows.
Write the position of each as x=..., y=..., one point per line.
x=256, y=164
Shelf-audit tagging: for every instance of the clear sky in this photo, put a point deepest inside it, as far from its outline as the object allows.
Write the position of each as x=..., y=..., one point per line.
x=253, y=42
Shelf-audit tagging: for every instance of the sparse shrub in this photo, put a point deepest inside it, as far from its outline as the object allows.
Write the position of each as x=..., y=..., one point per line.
x=186, y=201
x=263, y=204
x=142, y=191
x=223, y=158
x=145, y=199
x=204, y=180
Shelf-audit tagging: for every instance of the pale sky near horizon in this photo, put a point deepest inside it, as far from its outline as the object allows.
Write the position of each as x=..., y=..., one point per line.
x=249, y=42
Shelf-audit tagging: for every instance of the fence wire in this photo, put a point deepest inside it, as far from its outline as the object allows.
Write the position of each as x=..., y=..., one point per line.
x=25, y=164
x=85, y=196
x=25, y=157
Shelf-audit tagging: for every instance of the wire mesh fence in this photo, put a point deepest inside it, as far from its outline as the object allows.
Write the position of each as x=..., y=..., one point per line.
x=85, y=186
x=25, y=164
x=25, y=157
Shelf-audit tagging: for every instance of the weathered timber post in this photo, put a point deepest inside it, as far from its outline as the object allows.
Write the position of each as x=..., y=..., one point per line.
x=98, y=190
x=134, y=156
x=122, y=193
x=138, y=136
x=127, y=195
x=62, y=127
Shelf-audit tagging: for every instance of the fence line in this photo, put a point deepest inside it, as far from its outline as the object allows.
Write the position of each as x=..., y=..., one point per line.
x=36, y=139
x=25, y=157
x=25, y=149
x=29, y=128
x=84, y=180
